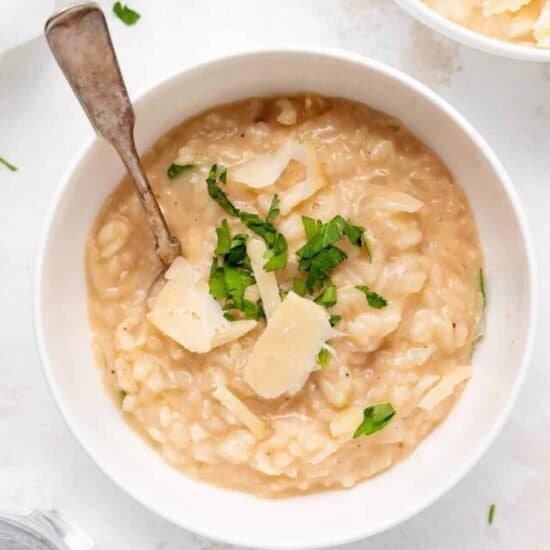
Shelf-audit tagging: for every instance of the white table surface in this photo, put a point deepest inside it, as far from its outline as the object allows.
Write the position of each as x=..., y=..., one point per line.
x=41, y=126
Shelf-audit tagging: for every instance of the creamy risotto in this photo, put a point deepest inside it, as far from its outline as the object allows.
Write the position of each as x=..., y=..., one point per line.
x=521, y=21
x=321, y=320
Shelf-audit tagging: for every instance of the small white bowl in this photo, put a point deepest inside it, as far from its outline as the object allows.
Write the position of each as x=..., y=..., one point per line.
x=322, y=519
x=423, y=13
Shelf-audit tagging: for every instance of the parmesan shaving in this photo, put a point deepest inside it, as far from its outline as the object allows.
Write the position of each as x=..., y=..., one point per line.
x=264, y=171
x=186, y=312
x=266, y=281
x=286, y=353
x=445, y=387
x=231, y=402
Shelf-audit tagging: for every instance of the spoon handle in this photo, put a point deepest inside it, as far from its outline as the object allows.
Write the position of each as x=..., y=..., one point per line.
x=79, y=39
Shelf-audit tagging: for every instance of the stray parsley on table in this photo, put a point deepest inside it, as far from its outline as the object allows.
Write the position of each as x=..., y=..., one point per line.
x=125, y=14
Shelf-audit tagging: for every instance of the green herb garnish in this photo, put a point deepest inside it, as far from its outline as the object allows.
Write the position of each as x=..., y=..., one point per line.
x=216, y=283
x=375, y=300
x=273, y=209
x=126, y=14
x=8, y=165
x=323, y=357
x=299, y=287
x=224, y=239
x=319, y=256
x=236, y=282
x=334, y=320
x=328, y=297
x=217, y=194
x=175, y=170
x=321, y=265
x=491, y=515
x=482, y=288
x=253, y=310
x=277, y=253
x=231, y=274
x=354, y=233
x=374, y=419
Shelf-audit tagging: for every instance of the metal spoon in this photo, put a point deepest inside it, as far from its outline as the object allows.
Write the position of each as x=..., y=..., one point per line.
x=79, y=39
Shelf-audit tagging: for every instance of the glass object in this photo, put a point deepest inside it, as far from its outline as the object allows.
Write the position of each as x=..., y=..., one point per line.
x=41, y=530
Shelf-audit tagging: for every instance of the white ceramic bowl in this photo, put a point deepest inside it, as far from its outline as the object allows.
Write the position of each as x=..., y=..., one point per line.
x=328, y=518
x=476, y=40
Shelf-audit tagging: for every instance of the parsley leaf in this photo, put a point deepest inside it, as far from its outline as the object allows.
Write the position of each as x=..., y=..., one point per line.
x=230, y=280
x=175, y=170
x=223, y=175
x=126, y=14
x=277, y=256
x=374, y=419
x=224, y=239
x=311, y=227
x=237, y=255
x=328, y=297
x=265, y=230
x=319, y=255
x=375, y=300
x=491, y=514
x=216, y=283
x=334, y=320
x=253, y=310
x=299, y=287
x=277, y=244
x=8, y=165
x=274, y=210
x=237, y=281
x=323, y=357
x=482, y=289
x=217, y=194
x=323, y=236
x=320, y=266
x=354, y=233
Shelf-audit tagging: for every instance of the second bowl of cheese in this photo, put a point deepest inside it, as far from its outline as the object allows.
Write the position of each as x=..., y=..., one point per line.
x=509, y=28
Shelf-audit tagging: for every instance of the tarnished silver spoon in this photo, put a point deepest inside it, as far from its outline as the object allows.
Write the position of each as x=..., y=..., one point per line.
x=79, y=39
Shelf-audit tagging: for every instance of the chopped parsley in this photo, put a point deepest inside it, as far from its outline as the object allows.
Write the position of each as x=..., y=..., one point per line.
x=334, y=320
x=224, y=239
x=321, y=265
x=375, y=300
x=491, y=515
x=175, y=170
x=299, y=287
x=328, y=297
x=231, y=274
x=8, y=165
x=482, y=288
x=217, y=194
x=277, y=253
x=126, y=14
x=274, y=210
x=374, y=419
x=319, y=256
x=323, y=357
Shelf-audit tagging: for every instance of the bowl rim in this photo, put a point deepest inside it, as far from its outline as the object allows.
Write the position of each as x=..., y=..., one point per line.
x=337, y=55
x=493, y=46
